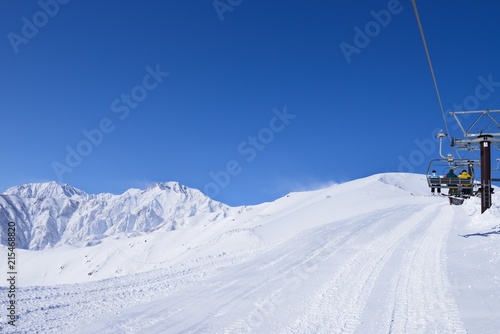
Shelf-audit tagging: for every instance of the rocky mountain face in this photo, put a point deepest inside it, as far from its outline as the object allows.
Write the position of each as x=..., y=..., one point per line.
x=50, y=214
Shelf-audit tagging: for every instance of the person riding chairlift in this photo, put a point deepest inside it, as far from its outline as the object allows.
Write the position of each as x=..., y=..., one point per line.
x=435, y=176
x=452, y=191
x=465, y=175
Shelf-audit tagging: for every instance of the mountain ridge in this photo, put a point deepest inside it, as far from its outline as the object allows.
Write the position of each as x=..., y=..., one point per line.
x=50, y=214
x=44, y=189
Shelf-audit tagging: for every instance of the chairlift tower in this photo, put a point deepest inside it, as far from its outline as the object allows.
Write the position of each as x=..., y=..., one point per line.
x=484, y=139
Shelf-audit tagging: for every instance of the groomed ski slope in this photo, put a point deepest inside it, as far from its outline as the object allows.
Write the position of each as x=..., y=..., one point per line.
x=376, y=255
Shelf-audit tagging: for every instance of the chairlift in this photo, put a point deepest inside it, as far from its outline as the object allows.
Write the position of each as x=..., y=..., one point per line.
x=459, y=188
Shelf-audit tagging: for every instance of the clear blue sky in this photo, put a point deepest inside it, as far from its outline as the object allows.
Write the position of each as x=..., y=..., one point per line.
x=259, y=99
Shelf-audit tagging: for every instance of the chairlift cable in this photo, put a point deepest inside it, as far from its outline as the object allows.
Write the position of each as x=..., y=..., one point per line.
x=430, y=63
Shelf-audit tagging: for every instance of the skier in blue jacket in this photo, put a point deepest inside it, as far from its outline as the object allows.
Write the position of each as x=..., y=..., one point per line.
x=433, y=175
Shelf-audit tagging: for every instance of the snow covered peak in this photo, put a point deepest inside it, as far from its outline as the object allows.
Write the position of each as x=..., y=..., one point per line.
x=170, y=186
x=46, y=189
x=179, y=190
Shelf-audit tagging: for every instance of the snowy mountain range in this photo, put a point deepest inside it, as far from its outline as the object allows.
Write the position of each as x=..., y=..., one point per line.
x=52, y=214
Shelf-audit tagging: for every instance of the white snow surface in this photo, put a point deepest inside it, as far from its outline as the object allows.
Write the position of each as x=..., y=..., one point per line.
x=374, y=255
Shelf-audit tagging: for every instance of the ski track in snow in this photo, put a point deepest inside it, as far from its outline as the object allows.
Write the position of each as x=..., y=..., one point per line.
x=302, y=265
x=338, y=305
x=422, y=301
x=319, y=281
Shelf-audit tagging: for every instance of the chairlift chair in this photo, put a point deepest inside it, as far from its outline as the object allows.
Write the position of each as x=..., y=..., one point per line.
x=459, y=188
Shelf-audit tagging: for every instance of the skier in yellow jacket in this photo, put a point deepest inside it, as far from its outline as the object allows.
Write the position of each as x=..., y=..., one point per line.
x=465, y=175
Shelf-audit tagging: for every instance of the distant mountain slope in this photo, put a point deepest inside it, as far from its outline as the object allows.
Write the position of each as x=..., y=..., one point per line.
x=51, y=214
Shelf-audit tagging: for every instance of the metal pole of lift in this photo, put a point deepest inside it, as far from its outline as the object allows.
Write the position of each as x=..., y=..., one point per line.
x=485, y=173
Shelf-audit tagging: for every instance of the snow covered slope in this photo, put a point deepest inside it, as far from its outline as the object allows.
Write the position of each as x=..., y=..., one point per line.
x=375, y=255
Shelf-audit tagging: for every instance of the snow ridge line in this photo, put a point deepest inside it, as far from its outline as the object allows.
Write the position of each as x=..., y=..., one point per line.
x=348, y=291
x=422, y=301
